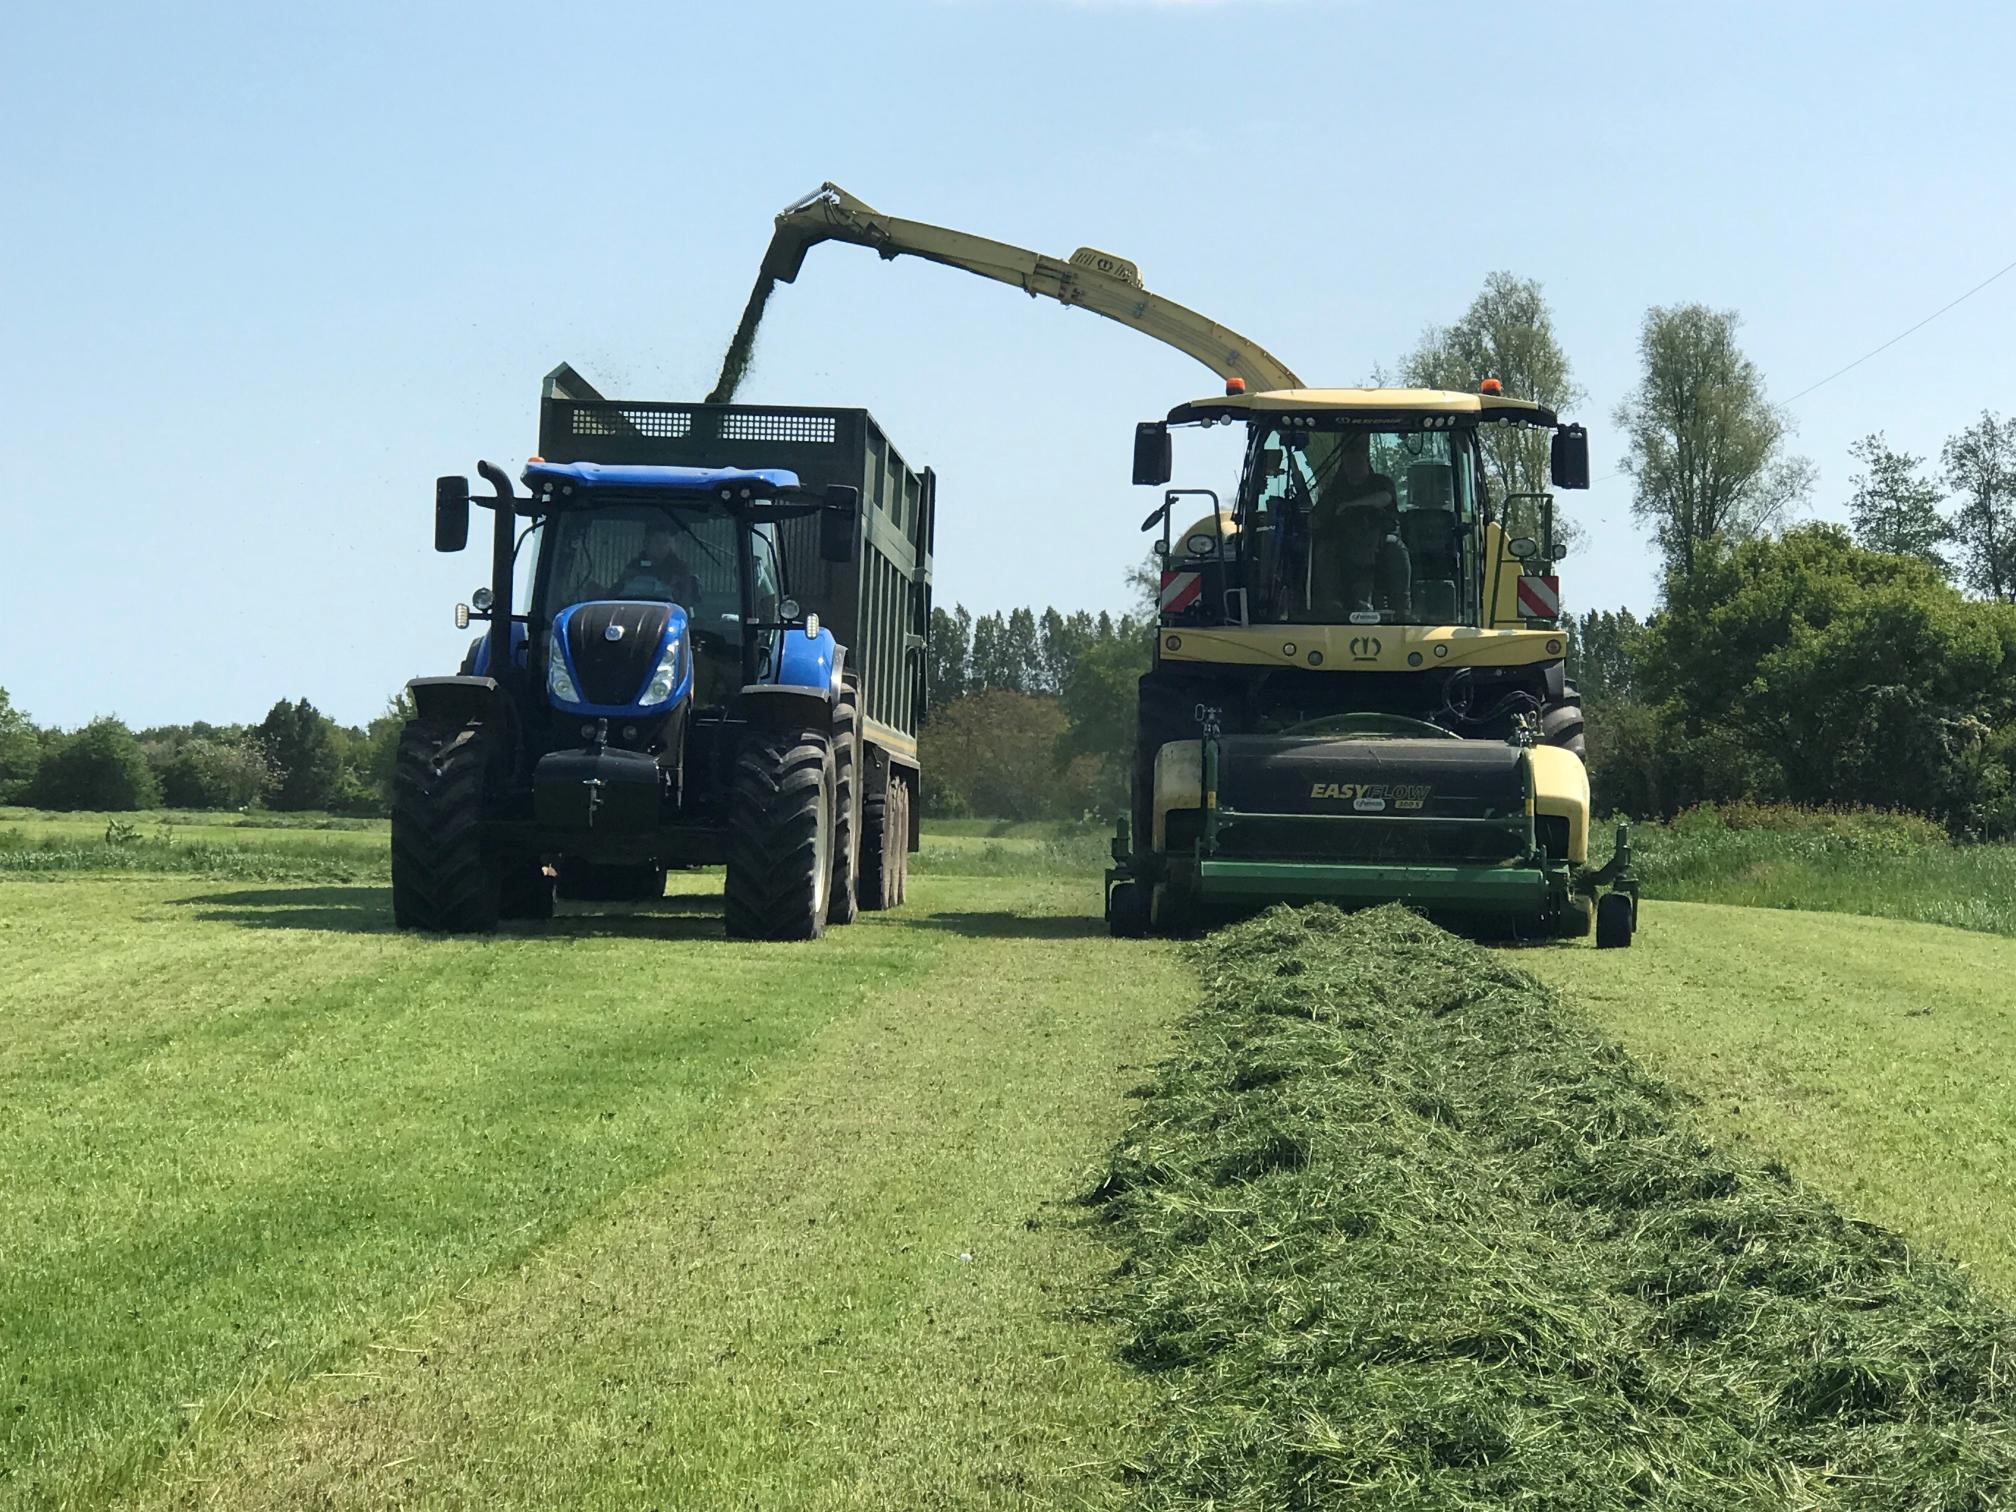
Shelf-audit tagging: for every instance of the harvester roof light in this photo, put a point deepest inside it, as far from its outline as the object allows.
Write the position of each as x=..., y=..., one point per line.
x=1235, y=386
x=1490, y=386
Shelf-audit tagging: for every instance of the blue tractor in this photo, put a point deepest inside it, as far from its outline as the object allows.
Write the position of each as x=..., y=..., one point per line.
x=653, y=692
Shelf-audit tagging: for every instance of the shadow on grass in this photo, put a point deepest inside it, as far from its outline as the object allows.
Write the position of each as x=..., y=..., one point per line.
x=1009, y=926
x=368, y=910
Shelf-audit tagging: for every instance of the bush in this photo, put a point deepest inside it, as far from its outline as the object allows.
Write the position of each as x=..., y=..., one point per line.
x=99, y=767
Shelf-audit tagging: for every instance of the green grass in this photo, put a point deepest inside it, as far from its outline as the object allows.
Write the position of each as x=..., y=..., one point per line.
x=1403, y=1230
x=605, y=1213
x=1883, y=865
x=1876, y=1058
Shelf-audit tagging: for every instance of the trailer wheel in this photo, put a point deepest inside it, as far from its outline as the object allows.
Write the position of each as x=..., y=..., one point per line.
x=442, y=879
x=780, y=836
x=1616, y=919
x=627, y=882
x=524, y=891
x=1127, y=911
x=899, y=838
x=876, y=881
x=844, y=905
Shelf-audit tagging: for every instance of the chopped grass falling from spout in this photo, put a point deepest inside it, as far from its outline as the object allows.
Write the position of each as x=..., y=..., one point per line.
x=1402, y=1230
x=742, y=346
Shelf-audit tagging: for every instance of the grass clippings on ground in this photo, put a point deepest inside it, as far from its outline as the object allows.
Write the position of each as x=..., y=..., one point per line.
x=1402, y=1230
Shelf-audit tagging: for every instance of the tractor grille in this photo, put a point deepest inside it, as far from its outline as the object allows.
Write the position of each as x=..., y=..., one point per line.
x=613, y=672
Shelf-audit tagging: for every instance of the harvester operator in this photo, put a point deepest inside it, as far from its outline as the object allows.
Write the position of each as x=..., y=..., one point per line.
x=1361, y=565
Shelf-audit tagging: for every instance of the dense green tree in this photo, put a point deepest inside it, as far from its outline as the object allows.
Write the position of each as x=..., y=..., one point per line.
x=1603, y=656
x=994, y=753
x=98, y=767
x=1809, y=669
x=1507, y=334
x=1100, y=708
x=20, y=751
x=301, y=748
x=1980, y=465
x=1894, y=509
x=212, y=773
x=1706, y=449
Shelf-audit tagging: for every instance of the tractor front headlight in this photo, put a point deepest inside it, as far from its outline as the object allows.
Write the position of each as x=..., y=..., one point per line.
x=665, y=677
x=558, y=683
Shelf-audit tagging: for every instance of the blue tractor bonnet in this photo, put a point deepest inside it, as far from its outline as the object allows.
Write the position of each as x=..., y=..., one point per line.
x=678, y=482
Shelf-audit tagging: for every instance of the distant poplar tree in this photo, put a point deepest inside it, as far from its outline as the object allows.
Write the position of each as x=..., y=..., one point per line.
x=1707, y=450
x=1507, y=334
x=1980, y=466
x=1894, y=509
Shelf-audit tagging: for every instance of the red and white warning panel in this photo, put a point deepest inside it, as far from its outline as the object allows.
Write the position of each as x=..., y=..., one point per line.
x=1540, y=597
x=1179, y=591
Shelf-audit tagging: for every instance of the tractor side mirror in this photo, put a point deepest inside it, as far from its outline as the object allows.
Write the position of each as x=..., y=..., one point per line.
x=1568, y=461
x=836, y=523
x=451, y=514
x=1153, y=461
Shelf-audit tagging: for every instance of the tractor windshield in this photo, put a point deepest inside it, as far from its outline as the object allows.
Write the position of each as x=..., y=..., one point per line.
x=1359, y=526
x=688, y=556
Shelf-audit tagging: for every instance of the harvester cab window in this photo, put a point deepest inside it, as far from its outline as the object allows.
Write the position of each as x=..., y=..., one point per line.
x=1358, y=525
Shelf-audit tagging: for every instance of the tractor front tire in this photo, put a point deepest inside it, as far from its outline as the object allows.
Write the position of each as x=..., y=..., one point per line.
x=1127, y=911
x=780, y=836
x=843, y=905
x=443, y=879
x=1578, y=914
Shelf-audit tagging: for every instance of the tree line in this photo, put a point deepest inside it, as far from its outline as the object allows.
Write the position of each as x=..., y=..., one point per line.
x=297, y=758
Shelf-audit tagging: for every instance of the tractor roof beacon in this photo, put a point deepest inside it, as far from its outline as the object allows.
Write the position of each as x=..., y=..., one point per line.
x=1358, y=689
x=705, y=645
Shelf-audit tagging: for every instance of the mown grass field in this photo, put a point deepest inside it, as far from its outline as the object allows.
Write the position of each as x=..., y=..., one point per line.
x=300, y=1211
x=602, y=1214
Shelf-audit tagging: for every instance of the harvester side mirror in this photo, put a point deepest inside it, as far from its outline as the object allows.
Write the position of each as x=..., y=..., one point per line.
x=451, y=514
x=1568, y=461
x=836, y=524
x=1153, y=459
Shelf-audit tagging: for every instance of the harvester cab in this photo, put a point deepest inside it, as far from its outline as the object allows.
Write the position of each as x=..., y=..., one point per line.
x=1358, y=687
x=656, y=687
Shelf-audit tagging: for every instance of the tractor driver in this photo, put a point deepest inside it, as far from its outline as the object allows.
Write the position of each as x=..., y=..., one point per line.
x=1361, y=565
x=657, y=572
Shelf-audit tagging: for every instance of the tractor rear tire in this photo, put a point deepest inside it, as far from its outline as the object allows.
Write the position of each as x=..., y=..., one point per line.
x=876, y=881
x=1561, y=724
x=780, y=836
x=443, y=878
x=843, y=905
x=1616, y=919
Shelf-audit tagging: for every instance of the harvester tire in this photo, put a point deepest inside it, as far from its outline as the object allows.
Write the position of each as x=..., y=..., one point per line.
x=843, y=905
x=780, y=836
x=443, y=879
x=1561, y=724
x=524, y=891
x=1578, y=915
x=1127, y=911
x=1616, y=918
x=876, y=880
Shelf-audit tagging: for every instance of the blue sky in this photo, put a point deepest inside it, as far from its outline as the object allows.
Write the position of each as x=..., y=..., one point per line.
x=269, y=272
